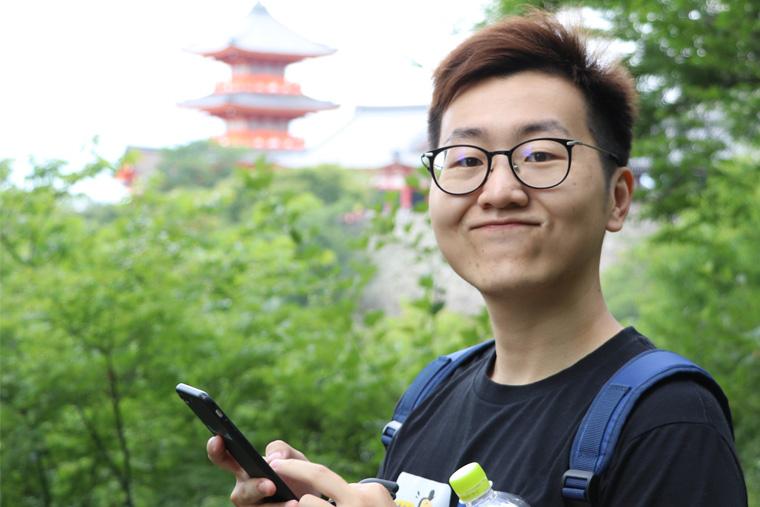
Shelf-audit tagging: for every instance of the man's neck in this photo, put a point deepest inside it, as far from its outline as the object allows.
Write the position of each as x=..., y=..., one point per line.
x=540, y=335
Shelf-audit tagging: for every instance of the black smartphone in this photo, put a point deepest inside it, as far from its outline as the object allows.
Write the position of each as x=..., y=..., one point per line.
x=219, y=424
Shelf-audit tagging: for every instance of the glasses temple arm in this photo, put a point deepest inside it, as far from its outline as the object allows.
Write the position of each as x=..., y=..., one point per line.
x=574, y=143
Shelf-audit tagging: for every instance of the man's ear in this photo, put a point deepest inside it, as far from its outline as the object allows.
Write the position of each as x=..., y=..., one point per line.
x=621, y=194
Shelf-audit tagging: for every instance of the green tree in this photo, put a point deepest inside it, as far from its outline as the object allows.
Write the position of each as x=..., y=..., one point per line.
x=696, y=64
x=199, y=164
x=102, y=319
x=341, y=192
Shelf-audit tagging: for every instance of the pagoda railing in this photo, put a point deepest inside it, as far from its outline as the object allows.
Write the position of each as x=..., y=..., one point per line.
x=252, y=83
x=261, y=140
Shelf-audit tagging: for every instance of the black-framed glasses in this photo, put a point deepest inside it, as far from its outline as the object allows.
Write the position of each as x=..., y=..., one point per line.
x=536, y=163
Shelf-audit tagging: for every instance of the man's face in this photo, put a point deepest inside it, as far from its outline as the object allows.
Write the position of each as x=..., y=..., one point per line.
x=507, y=239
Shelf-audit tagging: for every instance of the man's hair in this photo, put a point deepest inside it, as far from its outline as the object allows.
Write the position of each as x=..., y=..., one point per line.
x=539, y=42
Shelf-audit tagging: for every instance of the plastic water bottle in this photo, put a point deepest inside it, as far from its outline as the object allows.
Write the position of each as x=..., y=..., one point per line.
x=474, y=489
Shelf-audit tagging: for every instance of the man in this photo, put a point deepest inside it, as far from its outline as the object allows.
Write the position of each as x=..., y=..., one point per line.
x=531, y=136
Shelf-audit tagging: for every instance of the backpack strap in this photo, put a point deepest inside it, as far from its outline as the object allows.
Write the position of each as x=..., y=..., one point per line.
x=600, y=429
x=428, y=379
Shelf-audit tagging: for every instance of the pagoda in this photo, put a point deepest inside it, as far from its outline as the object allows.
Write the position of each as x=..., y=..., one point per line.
x=257, y=104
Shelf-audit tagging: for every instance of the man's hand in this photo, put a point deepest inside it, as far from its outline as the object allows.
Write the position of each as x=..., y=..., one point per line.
x=251, y=491
x=325, y=481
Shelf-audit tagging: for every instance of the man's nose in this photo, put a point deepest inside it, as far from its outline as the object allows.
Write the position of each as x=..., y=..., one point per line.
x=502, y=187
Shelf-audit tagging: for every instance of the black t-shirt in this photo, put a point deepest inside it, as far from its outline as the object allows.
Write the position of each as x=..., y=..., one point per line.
x=676, y=448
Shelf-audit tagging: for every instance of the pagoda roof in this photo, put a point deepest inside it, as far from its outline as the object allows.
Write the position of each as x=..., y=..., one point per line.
x=262, y=36
x=259, y=103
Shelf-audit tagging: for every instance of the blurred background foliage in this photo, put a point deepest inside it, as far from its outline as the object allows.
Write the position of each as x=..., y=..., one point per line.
x=249, y=289
x=247, y=283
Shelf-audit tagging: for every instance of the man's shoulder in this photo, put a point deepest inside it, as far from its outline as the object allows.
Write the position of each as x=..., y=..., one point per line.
x=677, y=448
x=681, y=400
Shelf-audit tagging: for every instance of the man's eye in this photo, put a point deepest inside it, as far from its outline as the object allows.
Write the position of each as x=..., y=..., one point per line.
x=468, y=162
x=540, y=157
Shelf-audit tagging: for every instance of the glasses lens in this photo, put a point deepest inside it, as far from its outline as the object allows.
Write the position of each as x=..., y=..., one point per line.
x=541, y=163
x=460, y=169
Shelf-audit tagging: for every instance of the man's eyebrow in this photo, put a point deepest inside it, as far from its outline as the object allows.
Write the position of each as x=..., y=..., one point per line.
x=466, y=133
x=541, y=127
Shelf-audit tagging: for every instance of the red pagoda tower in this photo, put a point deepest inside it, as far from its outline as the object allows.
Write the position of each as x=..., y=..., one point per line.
x=258, y=104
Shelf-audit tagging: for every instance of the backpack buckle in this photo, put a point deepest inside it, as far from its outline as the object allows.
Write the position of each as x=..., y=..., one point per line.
x=579, y=486
x=389, y=430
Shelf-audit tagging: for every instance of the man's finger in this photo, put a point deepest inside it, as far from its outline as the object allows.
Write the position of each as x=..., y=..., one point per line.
x=319, y=477
x=251, y=492
x=218, y=455
x=281, y=450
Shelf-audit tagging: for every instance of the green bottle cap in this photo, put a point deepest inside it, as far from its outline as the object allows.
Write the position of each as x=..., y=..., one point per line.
x=469, y=482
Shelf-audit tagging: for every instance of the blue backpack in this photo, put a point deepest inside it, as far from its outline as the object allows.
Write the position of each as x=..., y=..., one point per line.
x=600, y=429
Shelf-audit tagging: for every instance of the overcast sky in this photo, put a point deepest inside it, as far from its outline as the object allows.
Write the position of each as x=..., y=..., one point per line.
x=72, y=70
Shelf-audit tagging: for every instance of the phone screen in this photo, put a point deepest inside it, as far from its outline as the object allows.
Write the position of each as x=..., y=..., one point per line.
x=219, y=424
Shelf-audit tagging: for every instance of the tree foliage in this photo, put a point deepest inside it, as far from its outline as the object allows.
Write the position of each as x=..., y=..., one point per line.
x=696, y=64
x=249, y=290
x=197, y=164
